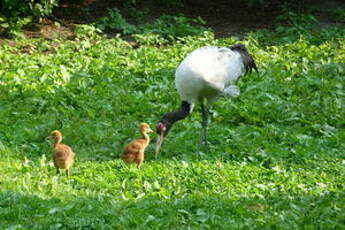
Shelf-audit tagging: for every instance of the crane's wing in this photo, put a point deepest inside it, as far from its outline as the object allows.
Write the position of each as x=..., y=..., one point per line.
x=207, y=71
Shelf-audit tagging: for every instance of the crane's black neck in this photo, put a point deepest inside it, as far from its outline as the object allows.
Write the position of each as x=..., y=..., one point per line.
x=170, y=118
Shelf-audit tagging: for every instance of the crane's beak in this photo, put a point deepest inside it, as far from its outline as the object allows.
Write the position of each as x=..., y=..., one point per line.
x=159, y=143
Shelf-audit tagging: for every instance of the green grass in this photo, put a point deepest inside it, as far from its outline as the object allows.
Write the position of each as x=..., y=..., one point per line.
x=276, y=157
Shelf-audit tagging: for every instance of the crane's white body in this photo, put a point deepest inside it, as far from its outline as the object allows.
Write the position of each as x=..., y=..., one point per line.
x=208, y=72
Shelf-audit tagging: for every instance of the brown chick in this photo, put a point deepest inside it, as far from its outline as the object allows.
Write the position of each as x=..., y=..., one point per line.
x=134, y=151
x=63, y=156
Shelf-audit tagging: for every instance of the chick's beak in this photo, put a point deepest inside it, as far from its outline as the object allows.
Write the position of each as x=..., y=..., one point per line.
x=149, y=130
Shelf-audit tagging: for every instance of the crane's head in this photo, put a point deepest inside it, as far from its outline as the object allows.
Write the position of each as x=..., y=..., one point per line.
x=162, y=130
x=168, y=120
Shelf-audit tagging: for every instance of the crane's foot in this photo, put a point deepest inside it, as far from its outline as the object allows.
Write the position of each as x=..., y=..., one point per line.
x=204, y=144
x=198, y=148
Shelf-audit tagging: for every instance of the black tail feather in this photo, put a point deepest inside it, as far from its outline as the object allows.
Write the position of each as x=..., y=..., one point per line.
x=248, y=61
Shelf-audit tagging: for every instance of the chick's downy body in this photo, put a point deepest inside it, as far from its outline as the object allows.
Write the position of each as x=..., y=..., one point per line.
x=62, y=155
x=134, y=152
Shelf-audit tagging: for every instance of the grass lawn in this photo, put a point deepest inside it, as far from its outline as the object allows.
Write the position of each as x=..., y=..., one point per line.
x=276, y=158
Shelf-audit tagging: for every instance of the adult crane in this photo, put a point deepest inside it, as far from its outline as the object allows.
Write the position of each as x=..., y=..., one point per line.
x=204, y=75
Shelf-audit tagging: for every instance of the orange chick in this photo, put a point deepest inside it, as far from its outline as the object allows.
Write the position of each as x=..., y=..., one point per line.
x=134, y=151
x=63, y=156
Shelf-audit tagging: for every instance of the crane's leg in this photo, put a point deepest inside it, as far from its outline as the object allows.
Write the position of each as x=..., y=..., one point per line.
x=204, y=123
x=204, y=126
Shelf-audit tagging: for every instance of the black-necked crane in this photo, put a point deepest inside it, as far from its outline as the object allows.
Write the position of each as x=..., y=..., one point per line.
x=204, y=75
